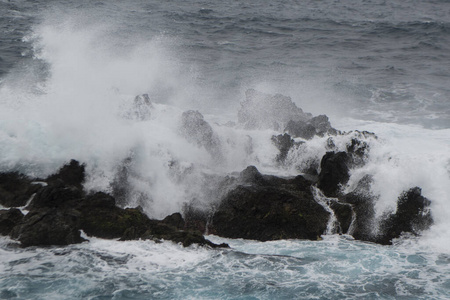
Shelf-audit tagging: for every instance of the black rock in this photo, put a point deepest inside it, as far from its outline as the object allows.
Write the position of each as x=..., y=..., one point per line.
x=176, y=220
x=270, y=208
x=344, y=215
x=16, y=189
x=251, y=175
x=9, y=219
x=55, y=195
x=412, y=216
x=71, y=174
x=284, y=143
x=334, y=172
x=45, y=227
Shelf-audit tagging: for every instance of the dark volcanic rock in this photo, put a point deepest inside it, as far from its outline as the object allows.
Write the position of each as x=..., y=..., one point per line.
x=270, y=209
x=364, y=210
x=9, y=219
x=176, y=220
x=251, y=175
x=344, y=215
x=44, y=227
x=362, y=202
x=412, y=216
x=334, y=172
x=100, y=217
x=55, y=195
x=71, y=174
x=196, y=219
x=16, y=189
x=61, y=209
x=284, y=143
x=307, y=129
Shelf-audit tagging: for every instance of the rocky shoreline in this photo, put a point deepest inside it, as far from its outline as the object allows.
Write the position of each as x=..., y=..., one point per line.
x=261, y=207
x=250, y=205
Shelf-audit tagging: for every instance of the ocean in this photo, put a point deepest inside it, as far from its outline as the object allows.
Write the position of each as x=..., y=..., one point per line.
x=70, y=70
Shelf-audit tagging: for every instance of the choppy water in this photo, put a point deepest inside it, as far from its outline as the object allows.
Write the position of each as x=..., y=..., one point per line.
x=69, y=70
x=335, y=268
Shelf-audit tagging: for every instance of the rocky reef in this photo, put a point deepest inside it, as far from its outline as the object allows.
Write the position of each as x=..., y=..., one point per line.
x=249, y=205
x=60, y=209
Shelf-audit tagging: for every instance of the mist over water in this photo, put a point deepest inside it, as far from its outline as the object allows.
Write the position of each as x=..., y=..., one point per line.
x=70, y=72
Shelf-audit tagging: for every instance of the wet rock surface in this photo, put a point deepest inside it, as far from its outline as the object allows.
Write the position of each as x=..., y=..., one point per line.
x=61, y=209
x=334, y=172
x=16, y=189
x=266, y=208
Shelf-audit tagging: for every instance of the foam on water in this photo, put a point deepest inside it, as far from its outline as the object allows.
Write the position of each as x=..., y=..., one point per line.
x=335, y=268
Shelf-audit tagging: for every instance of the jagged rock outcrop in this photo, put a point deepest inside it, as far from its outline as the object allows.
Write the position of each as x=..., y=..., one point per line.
x=71, y=174
x=9, y=219
x=16, y=189
x=344, y=215
x=251, y=206
x=334, y=172
x=284, y=143
x=268, y=208
x=61, y=209
x=412, y=216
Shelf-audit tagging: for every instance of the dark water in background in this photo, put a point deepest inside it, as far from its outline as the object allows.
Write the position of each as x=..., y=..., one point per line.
x=380, y=60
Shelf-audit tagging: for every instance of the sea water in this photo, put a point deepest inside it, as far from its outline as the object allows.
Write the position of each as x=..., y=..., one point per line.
x=70, y=70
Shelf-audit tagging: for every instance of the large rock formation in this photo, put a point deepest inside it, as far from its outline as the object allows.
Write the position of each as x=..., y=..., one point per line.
x=268, y=208
x=412, y=216
x=16, y=189
x=251, y=206
x=61, y=209
x=334, y=172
